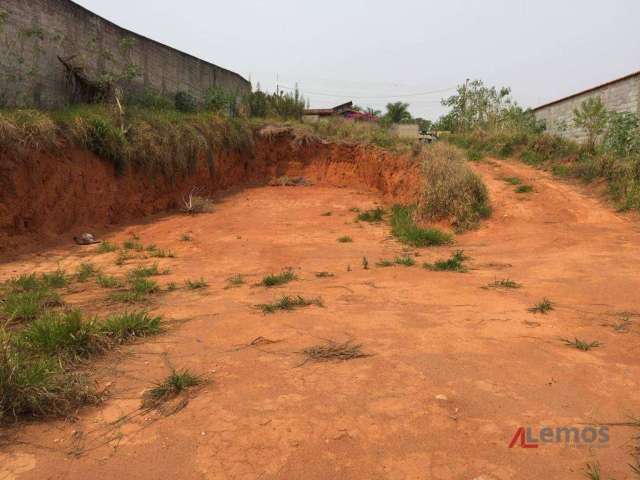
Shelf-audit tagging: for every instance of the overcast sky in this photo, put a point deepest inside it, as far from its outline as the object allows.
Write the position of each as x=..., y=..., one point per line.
x=378, y=51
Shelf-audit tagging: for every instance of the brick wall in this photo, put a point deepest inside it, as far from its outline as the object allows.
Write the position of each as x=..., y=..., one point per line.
x=33, y=33
x=619, y=96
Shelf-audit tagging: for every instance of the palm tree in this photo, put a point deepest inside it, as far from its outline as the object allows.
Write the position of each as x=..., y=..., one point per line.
x=398, y=112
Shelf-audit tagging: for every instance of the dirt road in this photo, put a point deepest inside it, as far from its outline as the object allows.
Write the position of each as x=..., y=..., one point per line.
x=454, y=370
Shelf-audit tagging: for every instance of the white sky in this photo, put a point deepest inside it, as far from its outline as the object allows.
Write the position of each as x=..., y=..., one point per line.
x=380, y=49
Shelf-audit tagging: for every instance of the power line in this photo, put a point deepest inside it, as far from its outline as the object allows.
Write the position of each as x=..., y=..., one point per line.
x=402, y=95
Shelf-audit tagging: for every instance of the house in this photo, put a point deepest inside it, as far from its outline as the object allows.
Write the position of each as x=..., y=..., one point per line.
x=345, y=110
x=620, y=95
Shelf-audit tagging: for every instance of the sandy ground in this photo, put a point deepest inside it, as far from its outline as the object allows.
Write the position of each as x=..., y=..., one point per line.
x=454, y=370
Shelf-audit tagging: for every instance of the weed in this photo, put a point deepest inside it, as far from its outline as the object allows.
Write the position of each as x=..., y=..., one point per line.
x=176, y=383
x=385, y=263
x=123, y=256
x=289, y=303
x=336, y=352
x=274, y=280
x=235, y=281
x=453, y=264
x=141, y=287
x=324, y=275
x=161, y=254
x=172, y=287
x=504, y=283
x=326, y=214
x=543, y=306
x=196, y=284
x=106, y=247
x=374, y=215
x=124, y=326
x=57, y=279
x=185, y=237
x=133, y=245
x=404, y=228
x=581, y=344
x=592, y=471
x=365, y=263
x=23, y=306
x=63, y=335
x=143, y=272
x=107, y=281
x=524, y=189
x=85, y=271
x=345, y=239
x=194, y=204
x=513, y=180
x=406, y=261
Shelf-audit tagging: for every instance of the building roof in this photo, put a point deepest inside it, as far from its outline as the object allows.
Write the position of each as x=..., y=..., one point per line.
x=330, y=111
x=589, y=90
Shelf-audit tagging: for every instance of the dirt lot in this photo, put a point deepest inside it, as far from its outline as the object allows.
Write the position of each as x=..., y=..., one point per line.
x=454, y=370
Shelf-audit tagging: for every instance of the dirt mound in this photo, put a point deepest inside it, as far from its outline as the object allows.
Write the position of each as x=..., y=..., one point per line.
x=45, y=196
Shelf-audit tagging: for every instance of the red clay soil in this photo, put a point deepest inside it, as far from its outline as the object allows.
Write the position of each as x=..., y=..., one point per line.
x=455, y=367
x=47, y=197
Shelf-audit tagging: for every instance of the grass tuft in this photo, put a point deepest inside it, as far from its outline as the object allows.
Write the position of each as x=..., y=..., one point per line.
x=176, y=383
x=581, y=344
x=289, y=303
x=345, y=239
x=404, y=228
x=372, y=216
x=512, y=180
x=275, y=280
x=505, y=283
x=124, y=326
x=196, y=284
x=107, y=281
x=85, y=272
x=324, y=275
x=453, y=264
x=524, y=189
x=106, y=247
x=543, y=306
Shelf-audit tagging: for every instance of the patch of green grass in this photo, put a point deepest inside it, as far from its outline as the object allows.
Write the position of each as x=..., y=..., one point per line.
x=289, y=303
x=453, y=264
x=404, y=229
x=275, y=280
x=124, y=326
x=133, y=245
x=474, y=155
x=140, y=289
x=85, y=271
x=542, y=306
x=196, y=284
x=106, y=247
x=524, y=189
x=61, y=334
x=513, y=180
x=57, y=279
x=25, y=306
x=25, y=282
x=235, y=281
x=406, y=261
x=581, y=344
x=107, y=281
x=145, y=271
x=174, y=384
x=373, y=215
x=504, y=283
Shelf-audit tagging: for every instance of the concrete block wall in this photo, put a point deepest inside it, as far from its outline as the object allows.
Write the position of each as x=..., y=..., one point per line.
x=618, y=96
x=33, y=33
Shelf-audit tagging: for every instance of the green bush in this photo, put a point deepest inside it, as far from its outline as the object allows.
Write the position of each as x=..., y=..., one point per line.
x=405, y=229
x=185, y=102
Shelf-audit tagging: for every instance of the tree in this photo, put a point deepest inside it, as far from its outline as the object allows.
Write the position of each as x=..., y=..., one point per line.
x=591, y=116
x=477, y=106
x=398, y=112
x=425, y=126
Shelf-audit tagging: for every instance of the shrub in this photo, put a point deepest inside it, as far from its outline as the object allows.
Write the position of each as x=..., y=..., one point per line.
x=452, y=190
x=374, y=215
x=274, y=280
x=591, y=116
x=185, y=102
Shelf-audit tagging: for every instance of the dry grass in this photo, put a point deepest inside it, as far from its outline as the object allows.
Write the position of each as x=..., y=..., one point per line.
x=452, y=191
x=334, y=352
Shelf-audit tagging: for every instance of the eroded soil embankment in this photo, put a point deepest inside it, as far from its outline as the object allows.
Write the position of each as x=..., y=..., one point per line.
x=44, y=196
